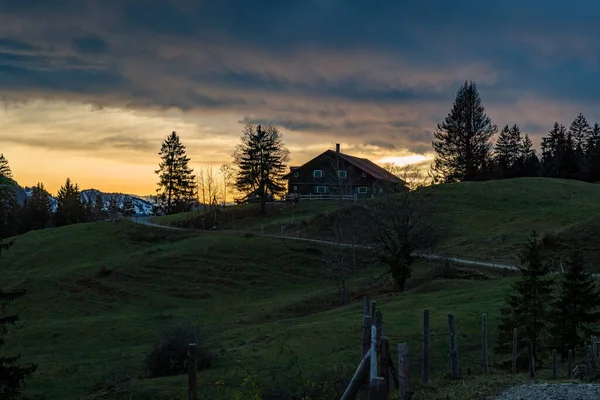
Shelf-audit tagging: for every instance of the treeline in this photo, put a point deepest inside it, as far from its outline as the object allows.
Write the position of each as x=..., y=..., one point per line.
x=549, y=311
x=36, y=211
x=466, y=151
x=259, y=164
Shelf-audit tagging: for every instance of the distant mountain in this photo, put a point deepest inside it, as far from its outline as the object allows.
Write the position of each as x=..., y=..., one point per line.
x=140, y=205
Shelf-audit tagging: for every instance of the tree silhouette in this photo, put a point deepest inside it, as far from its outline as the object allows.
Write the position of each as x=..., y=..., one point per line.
x=261, y=159
x=176, y=185
x=463, y=140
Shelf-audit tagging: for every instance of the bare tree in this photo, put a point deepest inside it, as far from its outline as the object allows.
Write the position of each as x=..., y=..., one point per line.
x=409, y=173
x=208, y=186
x=227, y=172
x=400, y=232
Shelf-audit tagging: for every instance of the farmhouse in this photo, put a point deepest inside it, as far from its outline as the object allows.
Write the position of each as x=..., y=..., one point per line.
x=333, y=173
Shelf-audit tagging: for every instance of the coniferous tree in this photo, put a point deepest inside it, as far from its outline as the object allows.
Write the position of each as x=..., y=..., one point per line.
x=9, y=206
x=69, y=209
x=577, y=308
x=37, y=210
x=463, y=140
x=128, y=208
x=113, y=208
x=593, y=154
x=507, y=151
x=554, y=151
x=99, y=209
x=176, y=186
x=260, y=159
x=527, y=308
x=88, y=210
x=5, y=168
x=528, y=163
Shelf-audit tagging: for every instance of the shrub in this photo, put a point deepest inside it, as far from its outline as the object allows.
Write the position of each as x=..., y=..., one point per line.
x=169, y=355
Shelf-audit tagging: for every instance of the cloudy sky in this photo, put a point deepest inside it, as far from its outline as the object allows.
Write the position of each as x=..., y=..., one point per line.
x=90, y=88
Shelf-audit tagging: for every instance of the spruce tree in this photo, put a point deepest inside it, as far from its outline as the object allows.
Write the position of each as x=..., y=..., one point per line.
x=528, y=162
x=527, y=309
x=69, y=209
x=176, y=186
x=128, y=208
x=507, y=151
x=9, y=207
x=99, y=209
x=554, y=149
x=5, y=168
x=113, y=208
x=577, y=309
x=593, y=154
x=38, y=208
x=260, y=159
x=463, y=140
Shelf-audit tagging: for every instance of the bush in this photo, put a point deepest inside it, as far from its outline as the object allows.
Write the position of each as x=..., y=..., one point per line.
x=169, y=356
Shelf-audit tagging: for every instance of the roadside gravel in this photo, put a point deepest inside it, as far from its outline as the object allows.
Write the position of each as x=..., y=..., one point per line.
x=553, y=391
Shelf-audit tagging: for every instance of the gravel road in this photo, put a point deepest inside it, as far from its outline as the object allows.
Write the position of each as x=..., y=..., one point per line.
x=557, y=391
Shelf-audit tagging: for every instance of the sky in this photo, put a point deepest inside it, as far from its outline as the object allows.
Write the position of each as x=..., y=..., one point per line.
x=90, y=89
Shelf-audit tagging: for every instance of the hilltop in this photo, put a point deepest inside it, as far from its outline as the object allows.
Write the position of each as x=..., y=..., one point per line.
x=485, y=221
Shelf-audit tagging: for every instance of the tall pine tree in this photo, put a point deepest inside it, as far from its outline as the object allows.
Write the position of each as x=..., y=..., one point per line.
x=527, y=308
x=528, y=162
x=463, y=140
x=260, y=159
x=69, y=209
x=577, y=308
x=176, y=185
x=5, y=168
x=37, y=210
x=554, y=152
x=99, y=208
x=9, y=207
x=506, y=151
x=593, y=154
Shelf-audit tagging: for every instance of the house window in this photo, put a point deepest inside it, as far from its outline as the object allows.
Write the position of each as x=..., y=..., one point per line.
x=296, y=174
x=320, y=189
x=317, y=173
x=295, y=188
x=342, y=174
x=364, y=175
x=362, y=189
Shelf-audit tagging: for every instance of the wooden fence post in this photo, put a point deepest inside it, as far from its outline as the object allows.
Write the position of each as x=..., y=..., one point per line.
x=484, y=344
x=373, y=309
x=425, y=353
x=192, y=365
x=379, y=326
x=384, y=365
x=594, y=351
x=531, y=361
x=554, y=364
x=570, y=364
x=403, y=370
x=366, y=342
x=453, y=350
x=514, y=351
x=588, y=360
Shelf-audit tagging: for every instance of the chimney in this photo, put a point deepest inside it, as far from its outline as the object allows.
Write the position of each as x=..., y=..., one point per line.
x=337, y=147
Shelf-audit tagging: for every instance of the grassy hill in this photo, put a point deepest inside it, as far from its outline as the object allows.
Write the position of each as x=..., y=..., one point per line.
x=485, y=221
x=99, y=294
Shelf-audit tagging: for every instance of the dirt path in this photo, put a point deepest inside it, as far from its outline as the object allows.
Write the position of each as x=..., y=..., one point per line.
x=146, y=221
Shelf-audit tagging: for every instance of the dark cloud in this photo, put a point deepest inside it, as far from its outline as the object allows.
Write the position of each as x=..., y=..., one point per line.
x=377, y=72
x=382, y=144
x=90, y=45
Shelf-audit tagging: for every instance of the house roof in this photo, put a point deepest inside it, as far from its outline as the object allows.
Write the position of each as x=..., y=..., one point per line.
x=363, y=164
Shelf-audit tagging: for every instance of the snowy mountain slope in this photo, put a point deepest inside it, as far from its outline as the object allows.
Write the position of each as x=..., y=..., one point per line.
x=141, y=206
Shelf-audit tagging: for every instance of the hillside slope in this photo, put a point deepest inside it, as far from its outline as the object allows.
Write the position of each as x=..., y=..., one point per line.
x=485, y=221
x=99, y=293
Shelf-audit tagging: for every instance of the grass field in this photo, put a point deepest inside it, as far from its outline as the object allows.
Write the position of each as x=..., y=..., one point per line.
x=99, y=295
x=90, y=317
x=485, y=221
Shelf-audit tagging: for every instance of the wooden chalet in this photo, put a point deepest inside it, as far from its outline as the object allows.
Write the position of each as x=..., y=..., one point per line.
x=333, y=174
